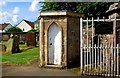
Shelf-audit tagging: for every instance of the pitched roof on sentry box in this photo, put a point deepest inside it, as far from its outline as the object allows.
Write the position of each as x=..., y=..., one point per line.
x=2, y=26
x=30, y=23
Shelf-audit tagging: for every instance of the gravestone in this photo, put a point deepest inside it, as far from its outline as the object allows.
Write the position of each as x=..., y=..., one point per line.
x=9, y=46
x=31, y=39
x=13, y=45
x=15, y=48
x=3, y=48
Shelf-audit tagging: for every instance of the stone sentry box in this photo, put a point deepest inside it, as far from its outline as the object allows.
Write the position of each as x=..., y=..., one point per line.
x=59, y=39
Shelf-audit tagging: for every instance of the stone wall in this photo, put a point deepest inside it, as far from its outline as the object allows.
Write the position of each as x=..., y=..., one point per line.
x=73, y=41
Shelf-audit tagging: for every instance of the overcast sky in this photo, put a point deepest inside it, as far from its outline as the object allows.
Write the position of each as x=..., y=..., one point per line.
x=14, y=12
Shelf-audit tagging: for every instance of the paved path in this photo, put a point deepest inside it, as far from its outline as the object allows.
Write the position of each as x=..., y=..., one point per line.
x=34, y=71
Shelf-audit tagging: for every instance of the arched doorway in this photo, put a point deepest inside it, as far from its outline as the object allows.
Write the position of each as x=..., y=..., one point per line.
x=54, y=45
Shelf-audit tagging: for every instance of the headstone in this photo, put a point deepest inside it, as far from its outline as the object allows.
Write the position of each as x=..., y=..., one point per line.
x=15, y=48
x=3, y=48
x=30, y=39
x=10, y=45
x=13, y=45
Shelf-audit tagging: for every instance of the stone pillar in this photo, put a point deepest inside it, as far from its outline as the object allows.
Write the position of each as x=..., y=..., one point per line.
x=41, y=42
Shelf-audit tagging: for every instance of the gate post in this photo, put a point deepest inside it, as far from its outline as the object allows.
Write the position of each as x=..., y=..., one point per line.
x=81, y=46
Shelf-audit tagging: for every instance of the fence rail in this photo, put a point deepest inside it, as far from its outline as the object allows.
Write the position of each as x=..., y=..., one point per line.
x=101, y=57
x=102, y=60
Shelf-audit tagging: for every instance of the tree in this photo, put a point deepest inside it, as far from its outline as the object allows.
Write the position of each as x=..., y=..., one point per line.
x=89, y=9
x=14, y=29
x=56, y=6
x=93, y=9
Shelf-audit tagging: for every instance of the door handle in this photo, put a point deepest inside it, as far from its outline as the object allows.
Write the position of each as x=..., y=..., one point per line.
x=50, y=43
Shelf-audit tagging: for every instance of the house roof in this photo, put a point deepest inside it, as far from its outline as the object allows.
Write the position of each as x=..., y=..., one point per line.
x=2, y=26
x=30, y=23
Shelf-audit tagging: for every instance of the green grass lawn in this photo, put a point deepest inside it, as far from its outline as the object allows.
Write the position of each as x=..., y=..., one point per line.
x=21, y=58
x=5, y=43
x=20, y=45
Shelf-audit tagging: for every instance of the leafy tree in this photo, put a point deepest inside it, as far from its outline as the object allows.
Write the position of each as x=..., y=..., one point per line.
x=14, y=29
x=93, y=8
x=87, y=8
x=56, y=6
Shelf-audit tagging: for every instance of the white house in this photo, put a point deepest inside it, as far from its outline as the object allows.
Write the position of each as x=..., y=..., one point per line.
x=25, y=25
x=36, y=25
x=4, y=27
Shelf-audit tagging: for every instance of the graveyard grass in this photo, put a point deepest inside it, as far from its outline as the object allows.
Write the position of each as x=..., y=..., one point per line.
x=21, y=58
x=21, y=45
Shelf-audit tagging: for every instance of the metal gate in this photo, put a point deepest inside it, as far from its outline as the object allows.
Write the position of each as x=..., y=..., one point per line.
x=99, y=51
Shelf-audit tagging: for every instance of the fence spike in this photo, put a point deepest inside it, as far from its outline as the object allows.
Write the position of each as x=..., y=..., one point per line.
x=98, y=19
x=103, y=19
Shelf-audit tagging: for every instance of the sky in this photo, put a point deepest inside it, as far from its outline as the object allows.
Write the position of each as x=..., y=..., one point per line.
x=14, y=12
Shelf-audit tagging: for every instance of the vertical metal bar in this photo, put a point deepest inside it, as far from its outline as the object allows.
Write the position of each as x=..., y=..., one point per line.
x=92, y=58
x=109, y=59
x=98, y=54
x=84, y=49
x=92, y=42
x=113, y=60
x=114, y=45
x=101, y=58
x=85, y=56
x=118, y=59
x=90, y=55
x=81, y=46
x=112, y=55
x=95, y=57
x=104, y=52
x=87, y=45
x=106, y=59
